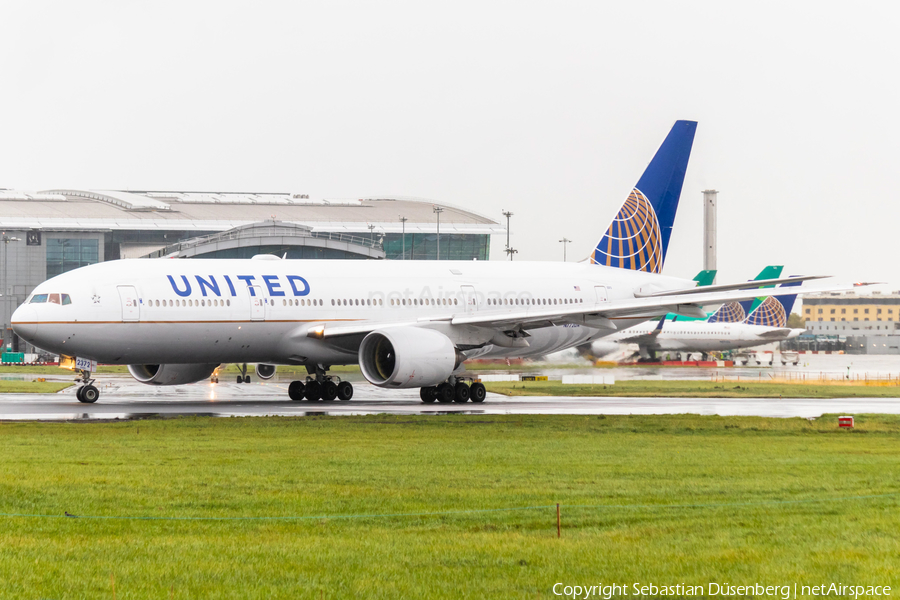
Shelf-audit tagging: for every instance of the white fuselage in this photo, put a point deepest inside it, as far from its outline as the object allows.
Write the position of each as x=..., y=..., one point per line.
x=150, y=311
x=700, y=336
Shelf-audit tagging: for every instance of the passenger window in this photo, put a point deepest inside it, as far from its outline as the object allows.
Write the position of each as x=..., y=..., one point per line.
x=39, y=299
x=66, y=299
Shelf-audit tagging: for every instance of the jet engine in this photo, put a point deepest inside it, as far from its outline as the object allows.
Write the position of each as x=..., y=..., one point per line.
x=408, y=357
x=171, y=374
x=601, y=347
x=265, y=371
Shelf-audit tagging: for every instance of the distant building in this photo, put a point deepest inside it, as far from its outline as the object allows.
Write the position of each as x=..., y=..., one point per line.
x=50, y=232
x=866, y=324
x=852, y=307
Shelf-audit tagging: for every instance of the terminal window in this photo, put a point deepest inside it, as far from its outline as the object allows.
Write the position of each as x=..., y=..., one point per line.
x=66, y=254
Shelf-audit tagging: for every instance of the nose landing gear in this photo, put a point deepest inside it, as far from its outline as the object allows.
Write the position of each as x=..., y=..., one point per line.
x=87, y=392
x=320, y=386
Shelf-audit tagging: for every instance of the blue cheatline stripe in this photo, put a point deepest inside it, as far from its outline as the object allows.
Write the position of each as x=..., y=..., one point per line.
x=457, y=512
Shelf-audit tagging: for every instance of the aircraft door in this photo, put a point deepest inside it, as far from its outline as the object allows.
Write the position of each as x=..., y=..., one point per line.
x=469, y=297
x=600, y=292
x=131, y=305
x=257, y=303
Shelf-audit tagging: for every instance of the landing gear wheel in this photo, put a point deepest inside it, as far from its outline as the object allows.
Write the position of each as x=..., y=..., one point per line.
x=313, y=391
x=296, y=390
x=246, y=379
x=428, y=394
x=89, y=394
x=477, y=392
x=344, y=391
x=445, y=393
x=240, y=379
x=461, y=393
x=78, y=394
x=329, y=391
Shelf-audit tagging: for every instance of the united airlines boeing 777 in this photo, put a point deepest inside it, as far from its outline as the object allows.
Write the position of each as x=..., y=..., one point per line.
x=408, y=324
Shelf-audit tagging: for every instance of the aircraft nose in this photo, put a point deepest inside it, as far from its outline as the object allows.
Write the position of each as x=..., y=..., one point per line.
x=25, y=322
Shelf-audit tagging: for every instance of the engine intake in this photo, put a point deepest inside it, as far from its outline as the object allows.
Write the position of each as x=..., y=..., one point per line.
x=171, y=374
x=264, y=371
x=408, y=357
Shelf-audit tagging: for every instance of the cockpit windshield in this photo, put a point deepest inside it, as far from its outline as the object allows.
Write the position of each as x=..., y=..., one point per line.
x=51, y=298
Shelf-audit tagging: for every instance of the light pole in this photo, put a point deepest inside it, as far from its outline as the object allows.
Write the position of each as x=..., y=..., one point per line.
x=509, y=250
x=565, y=241
x=403, y=235
x=438, y=210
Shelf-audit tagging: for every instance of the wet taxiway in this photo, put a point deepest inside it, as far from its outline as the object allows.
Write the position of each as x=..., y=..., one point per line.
x=123, y=398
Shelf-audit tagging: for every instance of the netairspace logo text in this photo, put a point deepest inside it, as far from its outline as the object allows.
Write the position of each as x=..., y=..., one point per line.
x=785, y=592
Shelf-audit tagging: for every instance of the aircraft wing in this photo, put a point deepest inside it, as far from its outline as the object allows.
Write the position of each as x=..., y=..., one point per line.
x=776, y=334
x=688, y=303
x=603, y=315
x=644, y=338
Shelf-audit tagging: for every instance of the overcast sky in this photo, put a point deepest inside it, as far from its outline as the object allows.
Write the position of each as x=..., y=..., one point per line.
x=551, y=110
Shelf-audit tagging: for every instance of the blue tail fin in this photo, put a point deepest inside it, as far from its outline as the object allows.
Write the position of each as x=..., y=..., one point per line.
x=774, y=310
x=735, y=312
x=638, y=236
x=730, y=312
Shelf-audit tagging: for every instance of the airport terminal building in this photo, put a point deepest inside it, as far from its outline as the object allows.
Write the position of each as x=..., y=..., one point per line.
x=864, y=324
x=50, y=232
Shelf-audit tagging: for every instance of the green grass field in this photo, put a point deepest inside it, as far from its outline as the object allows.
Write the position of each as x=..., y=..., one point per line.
x=657, y=499
x=32, y=387
x=696, y=389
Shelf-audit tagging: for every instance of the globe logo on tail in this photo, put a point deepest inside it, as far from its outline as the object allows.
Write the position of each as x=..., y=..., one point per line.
x=770, y=314
x=731, y=312
x=633, y=240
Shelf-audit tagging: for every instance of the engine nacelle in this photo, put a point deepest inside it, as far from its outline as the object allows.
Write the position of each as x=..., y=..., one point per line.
x=601, y=347
x=265, y=371
x=408, y=357
x=171, y=374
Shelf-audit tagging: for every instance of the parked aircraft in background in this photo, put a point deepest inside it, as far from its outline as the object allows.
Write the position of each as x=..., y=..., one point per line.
x=767, y=323
x=735, y=312
x=408, y=324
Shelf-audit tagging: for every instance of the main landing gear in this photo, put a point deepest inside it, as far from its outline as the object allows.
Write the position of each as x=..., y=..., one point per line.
x=87, y=392
x=243, y=377
x=454, y=390
x=320, y=386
